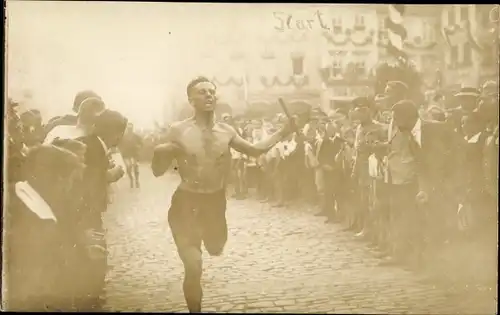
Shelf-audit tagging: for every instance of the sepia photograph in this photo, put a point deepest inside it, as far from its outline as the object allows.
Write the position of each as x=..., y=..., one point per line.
x=250, y=158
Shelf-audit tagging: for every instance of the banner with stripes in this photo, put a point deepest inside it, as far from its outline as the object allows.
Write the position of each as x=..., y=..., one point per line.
x=396, y=31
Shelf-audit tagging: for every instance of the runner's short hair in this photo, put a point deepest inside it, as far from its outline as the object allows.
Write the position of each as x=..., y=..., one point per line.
x=195, y=81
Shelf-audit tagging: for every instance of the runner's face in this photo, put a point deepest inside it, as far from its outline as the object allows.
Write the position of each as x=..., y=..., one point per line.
x=203, y=97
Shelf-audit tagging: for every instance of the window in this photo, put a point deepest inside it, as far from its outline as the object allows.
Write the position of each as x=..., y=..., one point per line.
x=467, y=53
x=298, y=65
x=464, y=13
x=451, y=16
x=484, y=15
x=453, y=55
x=359, y=22
x=337, y=25
x=340, y=91
x=360, y=68
x=488, y=57
x=428, y=63
x=426, y=32
x=382, y=30
x=336, y=68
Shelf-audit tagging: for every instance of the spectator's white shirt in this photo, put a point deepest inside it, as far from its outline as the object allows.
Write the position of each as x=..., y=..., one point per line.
x=473, y=139
x=64, y=132
x=311, y=160
x=291, y=146
x=33, y=201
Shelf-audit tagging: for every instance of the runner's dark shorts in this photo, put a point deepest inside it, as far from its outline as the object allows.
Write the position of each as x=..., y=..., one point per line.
x=196, y=217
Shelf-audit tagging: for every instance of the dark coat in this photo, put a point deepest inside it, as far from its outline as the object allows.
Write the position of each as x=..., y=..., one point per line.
x=38, y=254
x=436, y=155
x=95, y=183
x=328, y=150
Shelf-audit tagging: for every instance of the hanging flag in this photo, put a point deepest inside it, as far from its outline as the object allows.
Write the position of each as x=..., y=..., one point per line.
x=396, y=31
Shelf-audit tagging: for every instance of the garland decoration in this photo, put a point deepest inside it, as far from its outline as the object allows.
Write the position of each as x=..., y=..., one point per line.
x=237, y=81
x=349, y=38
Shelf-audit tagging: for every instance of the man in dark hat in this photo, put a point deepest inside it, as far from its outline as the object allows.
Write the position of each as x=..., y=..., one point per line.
x=368, y=133
x=467, y=99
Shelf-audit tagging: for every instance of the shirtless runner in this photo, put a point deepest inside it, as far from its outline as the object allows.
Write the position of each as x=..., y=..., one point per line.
x=198, y=208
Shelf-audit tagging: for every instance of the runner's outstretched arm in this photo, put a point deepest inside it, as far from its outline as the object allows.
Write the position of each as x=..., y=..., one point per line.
x=256, y=149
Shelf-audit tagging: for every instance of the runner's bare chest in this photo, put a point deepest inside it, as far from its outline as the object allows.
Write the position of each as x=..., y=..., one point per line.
x=205, y=157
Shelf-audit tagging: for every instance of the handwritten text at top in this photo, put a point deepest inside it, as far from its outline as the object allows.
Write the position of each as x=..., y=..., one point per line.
x=285, y=21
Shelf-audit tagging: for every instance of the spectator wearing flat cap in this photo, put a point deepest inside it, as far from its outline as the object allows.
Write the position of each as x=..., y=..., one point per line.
x=368, y=133
x=418, y=172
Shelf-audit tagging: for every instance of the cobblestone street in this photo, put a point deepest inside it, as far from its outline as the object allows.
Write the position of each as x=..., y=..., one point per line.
x=276, y=260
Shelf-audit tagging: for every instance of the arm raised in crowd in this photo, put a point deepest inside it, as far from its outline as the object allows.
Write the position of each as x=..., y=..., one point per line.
x=165, y=153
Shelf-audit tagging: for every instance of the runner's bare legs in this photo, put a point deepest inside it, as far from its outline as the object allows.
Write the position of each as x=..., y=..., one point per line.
x=201, y=148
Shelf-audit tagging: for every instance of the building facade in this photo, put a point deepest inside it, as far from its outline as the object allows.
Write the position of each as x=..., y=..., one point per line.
x=350, y=53
x=324, y=55
x=260, y=55
x=471, y=44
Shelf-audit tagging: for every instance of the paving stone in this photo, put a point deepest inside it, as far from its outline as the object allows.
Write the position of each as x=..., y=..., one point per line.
x=276, y=260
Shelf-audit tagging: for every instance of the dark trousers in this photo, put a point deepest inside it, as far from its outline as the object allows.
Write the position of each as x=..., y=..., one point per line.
x=406, y=223
x=237, y=176
x=265, y=183
x=334, y=193
x=361, y=205
x=380, y=212
x=91, y=271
